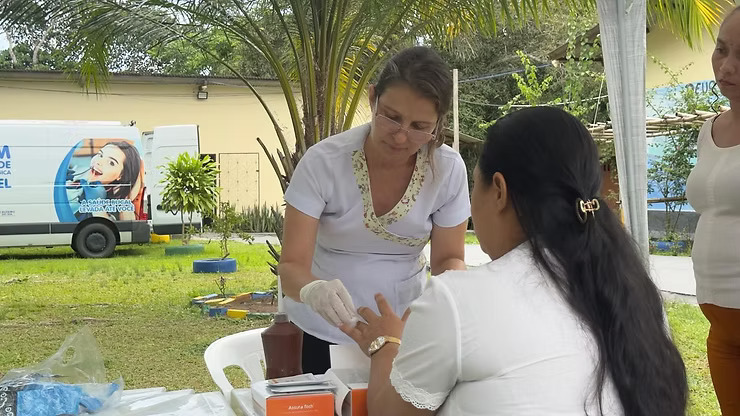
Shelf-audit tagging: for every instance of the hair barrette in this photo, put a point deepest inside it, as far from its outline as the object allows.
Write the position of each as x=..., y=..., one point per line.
x=583, y=208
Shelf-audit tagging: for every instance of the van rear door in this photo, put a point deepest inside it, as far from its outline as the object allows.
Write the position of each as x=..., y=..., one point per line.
x=166, y=144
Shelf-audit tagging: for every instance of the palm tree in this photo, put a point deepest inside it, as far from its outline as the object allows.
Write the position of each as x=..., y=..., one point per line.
x=328, y=49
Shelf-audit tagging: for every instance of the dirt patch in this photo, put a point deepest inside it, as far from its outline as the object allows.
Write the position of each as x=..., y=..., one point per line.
x=265, y=305
x=254, y=303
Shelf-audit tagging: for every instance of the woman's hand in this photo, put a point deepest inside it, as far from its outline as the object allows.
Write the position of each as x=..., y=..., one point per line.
x=331, y=300
x=387, y=324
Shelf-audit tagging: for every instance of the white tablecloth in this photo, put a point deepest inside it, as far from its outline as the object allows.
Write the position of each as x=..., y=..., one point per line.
x=159, y=402
x=241, y=401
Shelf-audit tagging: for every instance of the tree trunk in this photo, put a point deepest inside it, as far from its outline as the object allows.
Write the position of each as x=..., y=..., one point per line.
x=190, y=225
x=13, y=58
x=39, y=44
x=182, y=219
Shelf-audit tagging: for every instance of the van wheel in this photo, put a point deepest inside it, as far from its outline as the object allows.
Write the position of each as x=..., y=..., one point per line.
x=95, y=241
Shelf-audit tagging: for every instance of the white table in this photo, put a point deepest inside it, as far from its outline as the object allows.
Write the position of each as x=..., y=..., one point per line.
x=159, y=402
x=241, y=402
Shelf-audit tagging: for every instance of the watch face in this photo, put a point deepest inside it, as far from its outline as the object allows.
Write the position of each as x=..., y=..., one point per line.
x=377, y=343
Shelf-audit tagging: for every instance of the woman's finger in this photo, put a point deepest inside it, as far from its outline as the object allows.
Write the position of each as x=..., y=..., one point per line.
x=367, y=314
x=363, y=329
x=383, y=306
x=351, y=332
x=331, y=316
x=406, y=315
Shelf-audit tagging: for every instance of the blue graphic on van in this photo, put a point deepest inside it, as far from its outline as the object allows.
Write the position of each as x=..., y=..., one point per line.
x=100, y=178
x=5, y=166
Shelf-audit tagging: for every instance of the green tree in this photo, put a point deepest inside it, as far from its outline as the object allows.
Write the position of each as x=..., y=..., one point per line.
x=487, y=61
x=190, y=187
x=182, y=57
x=581, y=79
x=226, y=224
x=21, y=57
x=578, y=84
x=40, y=45
x=49, y=45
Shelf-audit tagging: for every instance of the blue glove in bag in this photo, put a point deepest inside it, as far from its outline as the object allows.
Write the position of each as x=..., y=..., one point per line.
x=70, y=382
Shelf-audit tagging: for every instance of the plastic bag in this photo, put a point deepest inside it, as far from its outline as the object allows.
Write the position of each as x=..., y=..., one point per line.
x=70, y=382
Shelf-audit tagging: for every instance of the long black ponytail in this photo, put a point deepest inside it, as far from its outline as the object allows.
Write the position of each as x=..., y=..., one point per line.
x=550, y=163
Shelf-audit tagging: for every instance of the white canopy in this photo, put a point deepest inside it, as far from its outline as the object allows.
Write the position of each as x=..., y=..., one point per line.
x=623, y=30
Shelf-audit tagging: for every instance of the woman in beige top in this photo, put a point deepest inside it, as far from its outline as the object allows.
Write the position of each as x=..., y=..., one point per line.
x=713, y=189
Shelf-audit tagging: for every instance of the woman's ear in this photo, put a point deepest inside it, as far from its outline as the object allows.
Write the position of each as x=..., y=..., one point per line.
x=371, y=96
x=501, y=192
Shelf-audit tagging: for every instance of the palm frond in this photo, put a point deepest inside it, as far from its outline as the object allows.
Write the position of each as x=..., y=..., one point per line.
x=689, y=19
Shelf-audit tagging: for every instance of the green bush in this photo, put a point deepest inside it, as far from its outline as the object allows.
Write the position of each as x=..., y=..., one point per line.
x=190, y=187
x=225, y=224
x=261, y=219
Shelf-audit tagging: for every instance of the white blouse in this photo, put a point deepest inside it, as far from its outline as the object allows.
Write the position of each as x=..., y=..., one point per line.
x=498, y=340
x=713, y=190
x=371, y=254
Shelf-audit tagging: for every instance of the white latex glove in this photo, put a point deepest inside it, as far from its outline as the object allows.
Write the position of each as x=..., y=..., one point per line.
x=330, y=299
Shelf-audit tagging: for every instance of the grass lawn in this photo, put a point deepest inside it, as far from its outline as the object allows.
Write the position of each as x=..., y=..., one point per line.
x=690, y=330
x=136, y=304
x=670, y=254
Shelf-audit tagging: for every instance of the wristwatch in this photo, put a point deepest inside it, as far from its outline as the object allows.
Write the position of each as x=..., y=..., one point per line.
x=379, y=342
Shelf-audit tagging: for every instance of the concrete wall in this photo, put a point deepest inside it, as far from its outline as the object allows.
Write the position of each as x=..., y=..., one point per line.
x=686, y=223
x=673, y=52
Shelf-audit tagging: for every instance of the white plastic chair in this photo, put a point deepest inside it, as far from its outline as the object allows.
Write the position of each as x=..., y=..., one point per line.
x=244, y=350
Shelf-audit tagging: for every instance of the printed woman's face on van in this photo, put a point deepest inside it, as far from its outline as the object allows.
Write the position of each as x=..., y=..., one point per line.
x=107, y=165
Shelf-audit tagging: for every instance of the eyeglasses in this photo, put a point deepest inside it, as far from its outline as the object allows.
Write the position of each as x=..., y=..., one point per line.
x=392, y=127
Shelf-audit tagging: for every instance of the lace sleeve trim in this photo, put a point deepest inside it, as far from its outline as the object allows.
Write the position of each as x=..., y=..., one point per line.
x=420, y=398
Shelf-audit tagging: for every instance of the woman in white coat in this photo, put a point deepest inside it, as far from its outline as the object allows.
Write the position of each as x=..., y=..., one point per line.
x=362, y=205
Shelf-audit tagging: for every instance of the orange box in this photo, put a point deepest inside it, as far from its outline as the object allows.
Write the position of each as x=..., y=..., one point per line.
x=321, y=404
x=358, y=400
x=351, y=394
x=303, y=404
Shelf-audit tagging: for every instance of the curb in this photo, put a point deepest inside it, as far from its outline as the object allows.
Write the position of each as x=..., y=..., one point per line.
x=183, y=250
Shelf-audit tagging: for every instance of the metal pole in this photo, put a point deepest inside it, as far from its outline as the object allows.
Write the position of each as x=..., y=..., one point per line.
x=455, y=113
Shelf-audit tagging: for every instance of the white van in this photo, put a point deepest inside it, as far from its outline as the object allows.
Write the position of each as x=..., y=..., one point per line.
x=87, y=184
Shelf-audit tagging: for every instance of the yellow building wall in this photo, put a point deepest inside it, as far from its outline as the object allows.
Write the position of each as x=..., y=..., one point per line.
x=676, y=54
x=229, y=121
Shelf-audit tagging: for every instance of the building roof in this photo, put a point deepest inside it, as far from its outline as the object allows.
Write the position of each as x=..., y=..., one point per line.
x=133, y=77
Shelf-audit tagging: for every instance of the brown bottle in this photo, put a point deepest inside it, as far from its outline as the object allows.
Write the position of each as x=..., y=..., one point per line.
x=283, y=345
